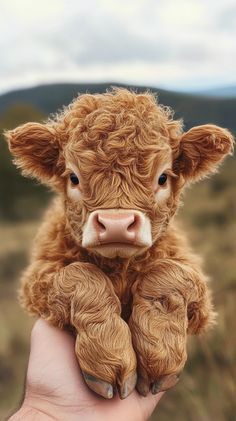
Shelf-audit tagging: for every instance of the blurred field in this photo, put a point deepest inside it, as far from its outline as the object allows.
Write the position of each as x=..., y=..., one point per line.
x=207, y=389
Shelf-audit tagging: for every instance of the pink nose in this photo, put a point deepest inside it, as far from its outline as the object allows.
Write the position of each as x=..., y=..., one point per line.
x=116, y=227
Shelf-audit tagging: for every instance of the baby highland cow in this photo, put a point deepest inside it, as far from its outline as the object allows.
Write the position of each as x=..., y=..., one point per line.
x=108, y=261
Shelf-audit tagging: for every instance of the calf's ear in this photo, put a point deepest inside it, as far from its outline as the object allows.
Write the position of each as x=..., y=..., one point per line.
x=35, y=148
x=202, y=149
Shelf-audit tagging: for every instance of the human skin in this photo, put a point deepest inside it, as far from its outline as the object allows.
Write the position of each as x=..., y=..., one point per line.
x=55, y=389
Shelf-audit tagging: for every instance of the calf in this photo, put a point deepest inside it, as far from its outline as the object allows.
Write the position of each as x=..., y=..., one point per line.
x=109, y=261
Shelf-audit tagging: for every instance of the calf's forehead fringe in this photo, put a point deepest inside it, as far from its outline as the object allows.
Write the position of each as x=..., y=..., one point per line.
x=118, y=128
x=119, y=113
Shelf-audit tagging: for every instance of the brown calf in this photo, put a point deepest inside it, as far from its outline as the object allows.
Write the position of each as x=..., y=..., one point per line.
x=109, y=260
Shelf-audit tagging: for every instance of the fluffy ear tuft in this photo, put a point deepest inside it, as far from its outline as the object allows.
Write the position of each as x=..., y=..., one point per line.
x=202, y=149
x=35, y=149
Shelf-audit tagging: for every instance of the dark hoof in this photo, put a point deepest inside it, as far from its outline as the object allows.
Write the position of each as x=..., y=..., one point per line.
x=128, y=386
x=100, y=387
x=164, y=383
x=142, y=386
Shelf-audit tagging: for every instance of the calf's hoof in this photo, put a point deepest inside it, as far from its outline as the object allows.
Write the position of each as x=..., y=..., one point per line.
x=164, y=383
x=98, y=386
x=107, y=390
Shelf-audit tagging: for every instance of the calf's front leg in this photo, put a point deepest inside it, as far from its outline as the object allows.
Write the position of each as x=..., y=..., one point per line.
x=103, y=344
x=167, y=302
x=81, y=295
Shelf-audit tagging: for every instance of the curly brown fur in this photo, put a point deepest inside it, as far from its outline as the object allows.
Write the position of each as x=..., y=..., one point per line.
x=119, y=143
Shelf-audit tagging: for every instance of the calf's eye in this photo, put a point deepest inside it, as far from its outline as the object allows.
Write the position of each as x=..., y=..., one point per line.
x=74, y=179
x=162, y=179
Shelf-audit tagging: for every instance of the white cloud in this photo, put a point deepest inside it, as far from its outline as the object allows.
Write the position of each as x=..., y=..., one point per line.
x=177, y=44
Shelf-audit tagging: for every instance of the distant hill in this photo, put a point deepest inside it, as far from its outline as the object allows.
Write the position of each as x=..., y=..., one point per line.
x=222, y=92
x=194, y=109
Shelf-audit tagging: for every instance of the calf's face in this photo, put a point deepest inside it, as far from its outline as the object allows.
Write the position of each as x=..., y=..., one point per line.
x=119, y=208
x=120, y=161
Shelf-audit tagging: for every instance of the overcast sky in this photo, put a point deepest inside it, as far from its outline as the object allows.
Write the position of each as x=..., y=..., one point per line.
x=176, y=44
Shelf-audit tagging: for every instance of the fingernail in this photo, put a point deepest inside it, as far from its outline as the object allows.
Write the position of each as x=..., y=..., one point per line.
x=128, y=386
x=100, y=387
x=164, y=383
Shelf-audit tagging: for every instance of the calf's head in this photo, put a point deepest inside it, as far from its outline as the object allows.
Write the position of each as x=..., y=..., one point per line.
x=120, y=162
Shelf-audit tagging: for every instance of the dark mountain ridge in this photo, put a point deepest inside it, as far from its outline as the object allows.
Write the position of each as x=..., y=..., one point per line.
x=194, y=109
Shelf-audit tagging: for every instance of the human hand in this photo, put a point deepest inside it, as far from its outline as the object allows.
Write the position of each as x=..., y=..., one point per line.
x=55, y=389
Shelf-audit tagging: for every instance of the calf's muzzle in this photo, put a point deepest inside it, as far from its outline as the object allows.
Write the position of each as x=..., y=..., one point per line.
x=117, y=232
x=119, y=227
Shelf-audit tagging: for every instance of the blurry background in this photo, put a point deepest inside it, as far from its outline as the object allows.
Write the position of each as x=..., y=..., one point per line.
x=186, y=51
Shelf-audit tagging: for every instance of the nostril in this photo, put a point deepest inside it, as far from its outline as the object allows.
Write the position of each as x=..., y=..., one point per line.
x=99, y=225
x=131, y=227
x=134, y=225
